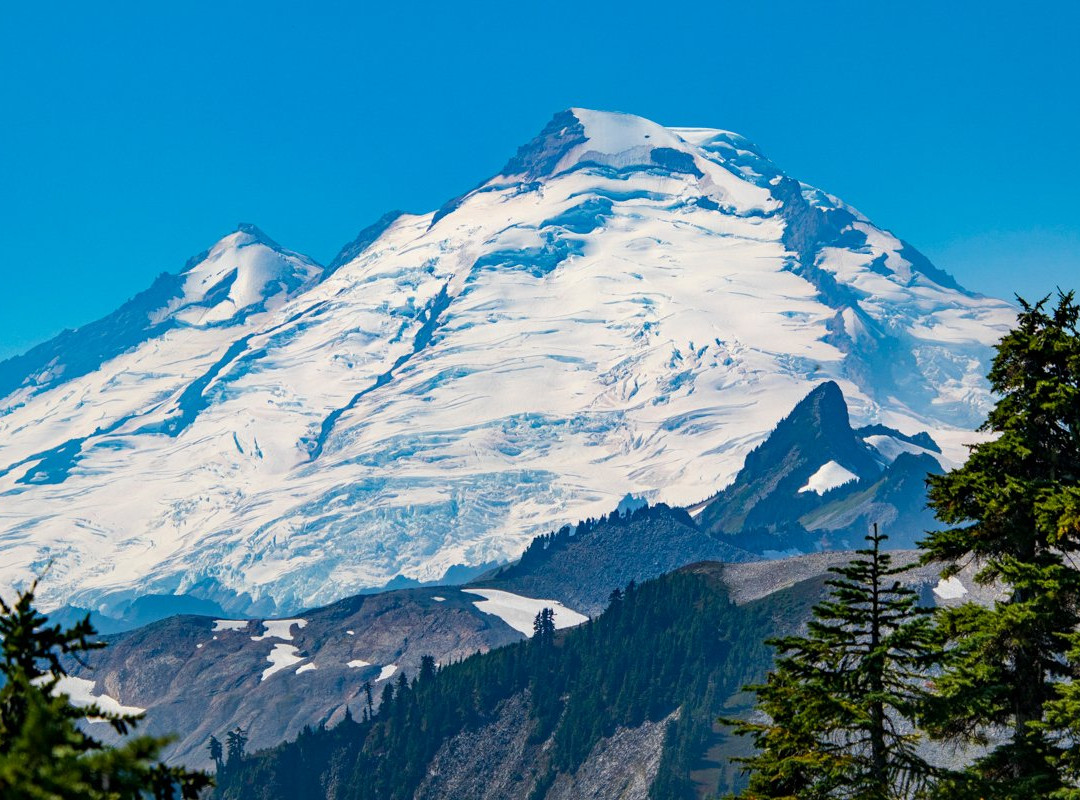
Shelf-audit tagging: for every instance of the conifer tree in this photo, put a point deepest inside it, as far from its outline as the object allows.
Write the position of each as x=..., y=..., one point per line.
x=1014, y=508
x=386, y=701
x=840, y=701
x=1062, y=725
x=544, y=627
x=216, y=752
x=427, y=669
x=368, y=700
x=44, y=751
x=235, y=743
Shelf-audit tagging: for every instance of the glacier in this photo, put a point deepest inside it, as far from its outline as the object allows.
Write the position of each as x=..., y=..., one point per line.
x=624, y=308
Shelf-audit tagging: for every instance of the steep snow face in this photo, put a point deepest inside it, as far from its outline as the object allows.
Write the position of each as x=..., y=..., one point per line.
x=625, y=308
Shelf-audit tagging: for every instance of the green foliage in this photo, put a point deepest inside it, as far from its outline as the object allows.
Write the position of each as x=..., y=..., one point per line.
x=840, y=701
x=1014, y=508
x=44, y=753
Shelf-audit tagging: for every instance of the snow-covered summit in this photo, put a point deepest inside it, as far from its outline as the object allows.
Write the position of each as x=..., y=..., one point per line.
x=625, y=308
x=244, y=274
x=244, y=270
x=581, y=137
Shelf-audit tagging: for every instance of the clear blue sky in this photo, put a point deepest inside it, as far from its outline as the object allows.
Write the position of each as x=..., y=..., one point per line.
x=134, y=135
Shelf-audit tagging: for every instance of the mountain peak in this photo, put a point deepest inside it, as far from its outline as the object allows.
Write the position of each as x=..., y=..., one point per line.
x=580, y=136
x=818, y=428
x=823, y=411
x=236, y=274
x=825, y=404
x=256, y=235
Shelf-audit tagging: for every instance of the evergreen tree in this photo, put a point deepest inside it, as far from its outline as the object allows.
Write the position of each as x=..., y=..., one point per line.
x=368, y=700
x=840, y=701
x=44, y=752
x=1014, y=508
x=216, y=753
x=235, y=743
x=544, y=627
x=427, y=669
x=677, y=643
x=386, y=701
x=1062, y=724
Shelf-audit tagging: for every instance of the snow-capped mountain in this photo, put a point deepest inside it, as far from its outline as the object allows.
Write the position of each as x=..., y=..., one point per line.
x=624, y=308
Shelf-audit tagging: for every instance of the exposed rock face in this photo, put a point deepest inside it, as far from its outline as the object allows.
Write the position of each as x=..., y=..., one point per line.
x=497, y=762
x=817, y=483
x=622, y=767
x=494, y=762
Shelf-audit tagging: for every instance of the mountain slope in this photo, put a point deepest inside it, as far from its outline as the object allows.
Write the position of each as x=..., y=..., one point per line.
x=198, y=675
x=624, y=308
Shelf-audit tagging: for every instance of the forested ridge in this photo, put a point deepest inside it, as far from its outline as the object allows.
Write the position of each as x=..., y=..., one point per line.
x=677, y=642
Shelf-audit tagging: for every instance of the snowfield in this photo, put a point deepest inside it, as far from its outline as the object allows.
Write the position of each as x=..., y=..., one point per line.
x=890, y=447
x=519, y=612
x=625, y=308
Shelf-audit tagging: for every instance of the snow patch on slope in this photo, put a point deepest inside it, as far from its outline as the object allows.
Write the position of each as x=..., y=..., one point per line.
x=386, y=672
x=519, y=612
x=950, y=588
x=890, y=447
x=81, y=693
x=279, y=629
x=829, y=475
x=281, y=657
x=230, y=625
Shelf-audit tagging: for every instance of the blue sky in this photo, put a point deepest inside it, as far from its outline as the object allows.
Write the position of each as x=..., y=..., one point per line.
x=136, y=134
